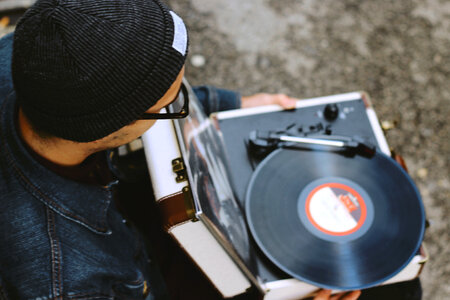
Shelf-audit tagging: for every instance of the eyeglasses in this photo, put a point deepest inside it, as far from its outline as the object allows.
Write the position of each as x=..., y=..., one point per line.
x=181, y=102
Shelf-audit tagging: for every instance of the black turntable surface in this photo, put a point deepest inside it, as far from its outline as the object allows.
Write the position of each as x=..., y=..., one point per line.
x=334, y=221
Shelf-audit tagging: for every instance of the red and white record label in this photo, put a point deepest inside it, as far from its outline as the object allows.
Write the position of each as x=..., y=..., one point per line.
x=336, y=209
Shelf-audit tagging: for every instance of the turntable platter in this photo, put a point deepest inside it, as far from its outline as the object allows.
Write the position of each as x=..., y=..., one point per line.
x=334, y=221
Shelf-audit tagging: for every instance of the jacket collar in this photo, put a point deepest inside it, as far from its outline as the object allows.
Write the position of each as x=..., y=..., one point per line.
x=82, y=203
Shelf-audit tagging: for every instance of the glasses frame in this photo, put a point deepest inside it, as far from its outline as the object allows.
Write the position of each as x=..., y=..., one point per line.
x=178, y=115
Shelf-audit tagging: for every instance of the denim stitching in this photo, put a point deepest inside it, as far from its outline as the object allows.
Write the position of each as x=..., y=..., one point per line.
x=75, y=296
x=84, y=296
x=40, y=195
x=48, y=201
x=56, y=255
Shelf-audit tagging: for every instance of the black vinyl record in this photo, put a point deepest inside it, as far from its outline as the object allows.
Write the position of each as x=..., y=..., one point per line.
x=334, y=221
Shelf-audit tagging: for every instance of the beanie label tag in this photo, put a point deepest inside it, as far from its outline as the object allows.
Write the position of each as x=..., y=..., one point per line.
x=180, y=34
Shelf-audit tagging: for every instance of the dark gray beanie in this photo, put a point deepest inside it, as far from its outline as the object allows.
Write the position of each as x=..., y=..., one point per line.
x=83, y=69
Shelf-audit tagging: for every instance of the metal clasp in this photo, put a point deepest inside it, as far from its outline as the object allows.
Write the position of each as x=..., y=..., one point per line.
x=179, y=169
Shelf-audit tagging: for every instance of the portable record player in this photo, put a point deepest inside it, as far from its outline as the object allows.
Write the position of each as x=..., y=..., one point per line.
x=287, y=201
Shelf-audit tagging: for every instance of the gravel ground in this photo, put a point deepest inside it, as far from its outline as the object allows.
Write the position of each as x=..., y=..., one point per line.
x=397, y=51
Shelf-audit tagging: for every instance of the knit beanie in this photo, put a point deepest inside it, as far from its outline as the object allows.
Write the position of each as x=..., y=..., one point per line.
x=83, y=69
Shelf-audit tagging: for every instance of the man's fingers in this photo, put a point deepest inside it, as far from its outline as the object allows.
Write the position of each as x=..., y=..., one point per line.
x=323, y=295
x=267, y=99
x=352, y=296
x=285, y=101
x=346, y=296
x=336, y=296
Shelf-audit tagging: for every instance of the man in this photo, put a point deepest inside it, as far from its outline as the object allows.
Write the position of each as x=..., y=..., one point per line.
x=85, y=77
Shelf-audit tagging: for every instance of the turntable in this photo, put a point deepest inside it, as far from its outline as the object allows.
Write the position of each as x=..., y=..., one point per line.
x=287, y=201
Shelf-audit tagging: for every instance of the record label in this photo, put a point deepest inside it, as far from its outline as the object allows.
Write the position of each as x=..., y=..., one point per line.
x=332, y=208
x=335, y=209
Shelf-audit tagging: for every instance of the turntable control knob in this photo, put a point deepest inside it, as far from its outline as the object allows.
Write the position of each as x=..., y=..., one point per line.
x=331, y=112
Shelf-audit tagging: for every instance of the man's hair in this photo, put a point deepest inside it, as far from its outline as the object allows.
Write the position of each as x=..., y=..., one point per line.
x=83, y=69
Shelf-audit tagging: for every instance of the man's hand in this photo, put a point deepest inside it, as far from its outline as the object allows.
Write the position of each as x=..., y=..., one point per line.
x=260, y=99
x=326, y=295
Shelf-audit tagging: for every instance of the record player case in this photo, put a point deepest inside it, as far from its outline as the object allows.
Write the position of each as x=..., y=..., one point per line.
x=200, y=168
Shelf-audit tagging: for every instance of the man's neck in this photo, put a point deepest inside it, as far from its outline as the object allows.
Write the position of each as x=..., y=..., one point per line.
x=59, y=151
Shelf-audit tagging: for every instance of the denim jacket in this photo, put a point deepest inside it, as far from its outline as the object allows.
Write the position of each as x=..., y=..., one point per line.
x=61, y=239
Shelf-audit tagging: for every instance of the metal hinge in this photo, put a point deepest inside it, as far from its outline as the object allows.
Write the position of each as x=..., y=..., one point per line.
x=179, y=169
x=189, y=204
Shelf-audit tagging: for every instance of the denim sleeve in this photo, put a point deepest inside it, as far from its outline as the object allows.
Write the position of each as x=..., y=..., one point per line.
x=5, y=65
x=214, y=99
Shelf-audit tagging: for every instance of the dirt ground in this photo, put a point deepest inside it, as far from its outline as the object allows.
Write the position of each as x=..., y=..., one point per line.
x=397, y=51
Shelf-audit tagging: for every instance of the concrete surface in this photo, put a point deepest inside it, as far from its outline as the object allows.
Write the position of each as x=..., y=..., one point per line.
x=397, y=51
